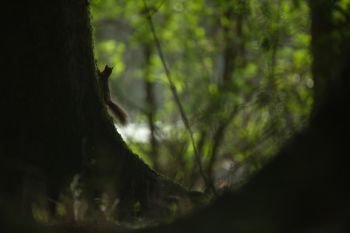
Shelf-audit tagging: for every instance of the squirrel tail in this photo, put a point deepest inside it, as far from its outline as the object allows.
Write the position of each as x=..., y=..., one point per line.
x=118, y=112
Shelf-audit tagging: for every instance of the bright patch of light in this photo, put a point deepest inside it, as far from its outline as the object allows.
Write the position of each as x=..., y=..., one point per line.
x=136, y=132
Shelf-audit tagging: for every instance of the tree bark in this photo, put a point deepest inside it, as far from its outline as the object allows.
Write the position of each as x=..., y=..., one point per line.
x=330, y=46
x=54, y=121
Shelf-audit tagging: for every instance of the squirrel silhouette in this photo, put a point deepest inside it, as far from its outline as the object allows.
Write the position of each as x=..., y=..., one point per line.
x=115, y=108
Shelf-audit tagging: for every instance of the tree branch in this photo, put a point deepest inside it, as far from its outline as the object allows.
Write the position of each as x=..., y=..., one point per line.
x=177, y=98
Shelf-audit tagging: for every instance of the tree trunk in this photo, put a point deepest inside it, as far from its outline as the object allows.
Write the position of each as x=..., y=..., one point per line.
x=330, y=47
x=54, y=121
x=151, y=104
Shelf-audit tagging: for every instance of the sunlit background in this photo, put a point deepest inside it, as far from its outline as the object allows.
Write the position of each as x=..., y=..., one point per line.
x=241, y=69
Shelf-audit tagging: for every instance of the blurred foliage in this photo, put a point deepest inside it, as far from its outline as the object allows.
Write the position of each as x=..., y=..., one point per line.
x=238, y=123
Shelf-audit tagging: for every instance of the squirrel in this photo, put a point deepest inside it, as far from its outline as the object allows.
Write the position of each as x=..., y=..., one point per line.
x=116, y=109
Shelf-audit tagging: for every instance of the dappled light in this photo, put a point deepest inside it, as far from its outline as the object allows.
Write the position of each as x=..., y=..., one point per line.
x=242, y=72
x=157, y=116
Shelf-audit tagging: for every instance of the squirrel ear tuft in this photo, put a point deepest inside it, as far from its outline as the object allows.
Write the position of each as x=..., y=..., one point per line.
x=105, y=73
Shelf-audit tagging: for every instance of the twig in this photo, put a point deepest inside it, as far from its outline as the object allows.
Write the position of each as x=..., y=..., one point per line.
x=177, y=100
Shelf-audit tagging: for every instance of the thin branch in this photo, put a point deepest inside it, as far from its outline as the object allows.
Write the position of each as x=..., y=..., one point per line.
x=177, y=100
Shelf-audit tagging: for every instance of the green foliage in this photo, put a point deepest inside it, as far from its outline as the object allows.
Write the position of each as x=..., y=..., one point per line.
x=244, y=118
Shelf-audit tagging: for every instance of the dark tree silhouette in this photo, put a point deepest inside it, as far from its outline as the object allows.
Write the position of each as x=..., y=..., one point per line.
x=54, y=123
x=54, y=120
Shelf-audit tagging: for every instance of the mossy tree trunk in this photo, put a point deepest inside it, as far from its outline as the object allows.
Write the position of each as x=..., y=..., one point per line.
x=54, y=123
